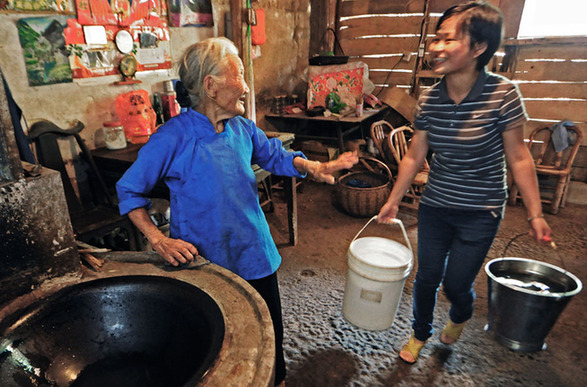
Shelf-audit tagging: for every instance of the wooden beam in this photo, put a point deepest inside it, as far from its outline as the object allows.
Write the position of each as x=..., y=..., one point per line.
x=236, y=23
x=242, y=39
x=361, y=7
x=380, y=25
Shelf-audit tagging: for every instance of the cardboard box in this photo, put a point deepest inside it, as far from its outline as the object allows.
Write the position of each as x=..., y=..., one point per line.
x=315, y=150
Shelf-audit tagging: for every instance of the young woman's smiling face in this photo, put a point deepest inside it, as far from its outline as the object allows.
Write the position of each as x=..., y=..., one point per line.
x=451, y=49
x=232, y=90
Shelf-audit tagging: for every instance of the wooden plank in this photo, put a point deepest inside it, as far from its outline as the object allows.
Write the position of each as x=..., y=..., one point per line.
x=575, y=111
x=380, y=90
x=553, y=41
x=393, y=62
x=380, y=77
x=374, y=46
x=546, y=71
x=554, y=90
x=365, y=7
x=563, y=51
x=379, y=25
x=439, y=6
x=432, y=22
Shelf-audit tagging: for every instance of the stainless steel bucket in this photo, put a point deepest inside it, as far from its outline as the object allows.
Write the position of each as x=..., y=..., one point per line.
x=525, y=299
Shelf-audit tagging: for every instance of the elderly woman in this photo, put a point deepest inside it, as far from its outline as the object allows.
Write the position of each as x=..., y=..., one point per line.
x=204, y=156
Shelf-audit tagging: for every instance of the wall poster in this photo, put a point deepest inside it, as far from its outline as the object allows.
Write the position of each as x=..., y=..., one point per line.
x=44, y=50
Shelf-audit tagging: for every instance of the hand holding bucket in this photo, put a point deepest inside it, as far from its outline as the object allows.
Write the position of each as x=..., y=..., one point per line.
x=378, y=268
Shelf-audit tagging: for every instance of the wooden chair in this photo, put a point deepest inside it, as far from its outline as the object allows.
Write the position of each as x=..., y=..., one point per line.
x=397, y=143
x=92, y=219
x=553, y=168
x=380, y=130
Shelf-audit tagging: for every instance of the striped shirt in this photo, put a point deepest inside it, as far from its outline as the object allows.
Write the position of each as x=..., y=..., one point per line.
x=468, y=169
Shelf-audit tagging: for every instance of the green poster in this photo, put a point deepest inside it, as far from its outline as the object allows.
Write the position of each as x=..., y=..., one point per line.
x=43, y=46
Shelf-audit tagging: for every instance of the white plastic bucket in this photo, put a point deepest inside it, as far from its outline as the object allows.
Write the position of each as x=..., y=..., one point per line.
x=378, y=268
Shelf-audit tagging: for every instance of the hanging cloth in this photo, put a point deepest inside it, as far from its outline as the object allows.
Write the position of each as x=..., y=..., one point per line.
x=560, y=136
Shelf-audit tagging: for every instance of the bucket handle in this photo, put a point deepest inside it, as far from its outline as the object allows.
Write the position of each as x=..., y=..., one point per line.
x=552, y=245
x=393, y=221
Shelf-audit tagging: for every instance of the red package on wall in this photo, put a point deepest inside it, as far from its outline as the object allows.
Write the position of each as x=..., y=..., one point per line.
x=137, y=115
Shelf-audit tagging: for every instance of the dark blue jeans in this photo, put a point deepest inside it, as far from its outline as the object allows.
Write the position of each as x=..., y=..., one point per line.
x=452, y=246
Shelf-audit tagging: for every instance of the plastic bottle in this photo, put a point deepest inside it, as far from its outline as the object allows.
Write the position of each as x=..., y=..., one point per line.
x=168, y=102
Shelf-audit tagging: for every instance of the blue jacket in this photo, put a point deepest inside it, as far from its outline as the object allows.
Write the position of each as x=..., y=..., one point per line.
x=214, y=200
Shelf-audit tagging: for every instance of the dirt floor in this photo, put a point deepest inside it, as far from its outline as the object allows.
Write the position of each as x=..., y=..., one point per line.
x=323, y=349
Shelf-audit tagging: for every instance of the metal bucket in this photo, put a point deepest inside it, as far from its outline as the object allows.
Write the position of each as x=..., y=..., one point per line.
x=525, y=299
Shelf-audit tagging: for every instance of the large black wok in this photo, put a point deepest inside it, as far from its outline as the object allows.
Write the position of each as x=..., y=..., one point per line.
x=120, y=331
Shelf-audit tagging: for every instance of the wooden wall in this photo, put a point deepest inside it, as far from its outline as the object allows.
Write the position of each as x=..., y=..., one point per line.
x=552, y=77
x=551, y=73
x=387, y=34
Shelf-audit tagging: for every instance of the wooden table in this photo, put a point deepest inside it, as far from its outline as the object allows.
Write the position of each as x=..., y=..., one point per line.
x=113, y=163
x=333, y=128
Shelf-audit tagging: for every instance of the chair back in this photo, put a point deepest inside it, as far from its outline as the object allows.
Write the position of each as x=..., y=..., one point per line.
x=542, y=148
x=380, y=130
x=46, y=137
x=398, y=144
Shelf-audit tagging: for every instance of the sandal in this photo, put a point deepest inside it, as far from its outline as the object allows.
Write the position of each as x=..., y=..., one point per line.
x=451, y=332
x=411, y=350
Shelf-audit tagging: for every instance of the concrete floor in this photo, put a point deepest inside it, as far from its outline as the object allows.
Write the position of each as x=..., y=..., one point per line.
x=323, y=349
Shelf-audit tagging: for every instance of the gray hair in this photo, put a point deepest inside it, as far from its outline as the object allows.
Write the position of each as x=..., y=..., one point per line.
x=202, y=59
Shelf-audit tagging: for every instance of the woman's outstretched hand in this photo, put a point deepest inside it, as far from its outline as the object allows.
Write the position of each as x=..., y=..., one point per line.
x=322, y=172
x=175, y=251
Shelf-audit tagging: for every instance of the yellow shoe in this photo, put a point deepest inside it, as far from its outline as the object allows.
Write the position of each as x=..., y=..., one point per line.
x=411, y=350
x=451, y=332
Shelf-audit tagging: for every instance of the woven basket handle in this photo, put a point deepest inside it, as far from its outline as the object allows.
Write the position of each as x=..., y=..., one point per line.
x=363, y=161
x=394, y=221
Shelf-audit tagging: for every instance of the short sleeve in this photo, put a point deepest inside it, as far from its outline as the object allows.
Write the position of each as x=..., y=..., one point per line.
x=420, y=118
x=512, y=113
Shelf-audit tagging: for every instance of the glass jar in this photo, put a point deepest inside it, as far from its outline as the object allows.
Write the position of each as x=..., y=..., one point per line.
x=114, y=135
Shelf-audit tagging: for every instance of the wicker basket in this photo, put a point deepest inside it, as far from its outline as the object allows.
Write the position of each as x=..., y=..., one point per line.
x=364, y=202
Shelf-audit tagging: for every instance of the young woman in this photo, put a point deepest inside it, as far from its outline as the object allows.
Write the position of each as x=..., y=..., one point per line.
x=473, y=121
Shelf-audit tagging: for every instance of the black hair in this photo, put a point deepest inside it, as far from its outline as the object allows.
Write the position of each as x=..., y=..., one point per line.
x=482, y=21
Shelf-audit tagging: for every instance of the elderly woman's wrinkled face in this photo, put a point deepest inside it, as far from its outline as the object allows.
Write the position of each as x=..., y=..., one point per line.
x=233, y=88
